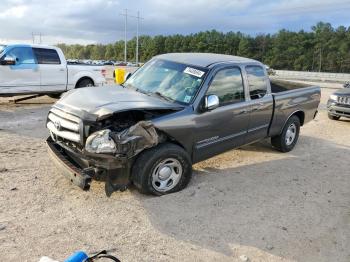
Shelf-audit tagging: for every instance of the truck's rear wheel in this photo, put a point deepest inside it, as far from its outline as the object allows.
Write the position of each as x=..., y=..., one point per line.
x=332, y=117
x=161, y=170
x=286, y=141
x=84, y=83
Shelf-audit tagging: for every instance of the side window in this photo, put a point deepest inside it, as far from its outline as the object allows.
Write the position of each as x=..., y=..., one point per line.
x=23, y=55
x=47, y=56
x=257, y=82
x=228, y=86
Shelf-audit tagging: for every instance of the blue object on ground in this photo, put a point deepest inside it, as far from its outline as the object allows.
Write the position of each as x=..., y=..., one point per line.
x=78, y=256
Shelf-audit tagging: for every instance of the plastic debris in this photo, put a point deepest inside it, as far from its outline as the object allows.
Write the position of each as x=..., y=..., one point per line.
x=47, y=259
x=244, y=258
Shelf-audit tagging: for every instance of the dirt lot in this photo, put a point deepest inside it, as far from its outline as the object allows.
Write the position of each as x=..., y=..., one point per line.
x=253, y=201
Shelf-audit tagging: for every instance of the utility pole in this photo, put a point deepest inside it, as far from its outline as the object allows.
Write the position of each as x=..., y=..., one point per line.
x=35, y=35
x=319, y=70
x=137, y=36
x=125, y=34
x=138, y=17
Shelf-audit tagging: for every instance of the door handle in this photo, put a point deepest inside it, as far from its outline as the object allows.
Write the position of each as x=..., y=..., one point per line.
x=62, y=70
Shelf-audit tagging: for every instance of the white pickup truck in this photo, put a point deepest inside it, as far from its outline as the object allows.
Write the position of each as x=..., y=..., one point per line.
x=38, y=69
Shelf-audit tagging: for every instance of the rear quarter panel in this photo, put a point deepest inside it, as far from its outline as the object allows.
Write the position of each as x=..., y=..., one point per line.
x=77, y=72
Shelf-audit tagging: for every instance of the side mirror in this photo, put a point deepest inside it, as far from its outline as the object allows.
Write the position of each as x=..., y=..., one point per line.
x=211, y=102
x=8, y=60
x=127, y=76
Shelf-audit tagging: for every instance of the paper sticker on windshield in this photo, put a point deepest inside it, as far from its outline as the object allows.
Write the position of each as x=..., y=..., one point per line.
x=194, y=72
x=187, y=99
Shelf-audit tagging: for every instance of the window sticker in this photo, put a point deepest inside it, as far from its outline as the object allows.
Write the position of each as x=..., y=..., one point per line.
x=187, y=99
x=194, y=72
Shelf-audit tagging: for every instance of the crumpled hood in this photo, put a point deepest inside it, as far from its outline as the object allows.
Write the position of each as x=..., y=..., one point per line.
x=92, y=103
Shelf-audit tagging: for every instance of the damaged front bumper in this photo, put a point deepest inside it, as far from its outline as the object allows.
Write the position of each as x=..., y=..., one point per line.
x=81, y=169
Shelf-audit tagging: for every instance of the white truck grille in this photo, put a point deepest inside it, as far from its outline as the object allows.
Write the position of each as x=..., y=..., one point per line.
x=63, y=125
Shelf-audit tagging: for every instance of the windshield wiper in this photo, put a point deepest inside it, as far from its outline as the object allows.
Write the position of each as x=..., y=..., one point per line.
x=149, y=93
x=142, y=91
x=164, y=97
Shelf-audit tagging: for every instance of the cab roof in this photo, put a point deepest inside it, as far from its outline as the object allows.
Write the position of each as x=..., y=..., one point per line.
x=204, y=59
x=28, y=45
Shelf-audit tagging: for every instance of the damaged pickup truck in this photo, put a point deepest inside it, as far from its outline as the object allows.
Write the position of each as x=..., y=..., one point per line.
x=176, y=110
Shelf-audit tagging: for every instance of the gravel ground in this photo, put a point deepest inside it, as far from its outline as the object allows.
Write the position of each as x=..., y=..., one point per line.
x=253, y=201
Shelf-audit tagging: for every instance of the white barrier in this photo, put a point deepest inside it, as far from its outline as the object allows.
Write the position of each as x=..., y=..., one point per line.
x=319, y=76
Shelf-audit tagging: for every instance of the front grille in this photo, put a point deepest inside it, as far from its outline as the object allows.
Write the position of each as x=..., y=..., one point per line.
x=64, y=126
x=345, y=100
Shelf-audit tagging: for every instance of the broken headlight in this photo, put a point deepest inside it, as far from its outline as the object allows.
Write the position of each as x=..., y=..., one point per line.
x=100, y=142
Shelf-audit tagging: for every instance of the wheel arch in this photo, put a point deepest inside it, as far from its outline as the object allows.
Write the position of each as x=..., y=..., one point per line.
x=299, y=113
x=82, y=79
x=169, y=139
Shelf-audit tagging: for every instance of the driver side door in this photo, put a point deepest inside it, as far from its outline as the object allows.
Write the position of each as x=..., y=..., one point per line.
x=24, y=76
x=225, y=127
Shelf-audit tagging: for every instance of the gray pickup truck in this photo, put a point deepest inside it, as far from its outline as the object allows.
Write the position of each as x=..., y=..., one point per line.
x=176, y=110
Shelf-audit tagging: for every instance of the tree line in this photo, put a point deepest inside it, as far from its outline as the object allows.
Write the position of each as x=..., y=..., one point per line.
x=324, y=48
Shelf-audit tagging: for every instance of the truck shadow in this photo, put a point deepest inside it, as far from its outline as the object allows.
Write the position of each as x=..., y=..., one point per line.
x=344, y=119
x=287, y=207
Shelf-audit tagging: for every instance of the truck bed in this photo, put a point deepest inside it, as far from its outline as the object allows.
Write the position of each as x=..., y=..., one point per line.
x=278, y=85
x=289, y=98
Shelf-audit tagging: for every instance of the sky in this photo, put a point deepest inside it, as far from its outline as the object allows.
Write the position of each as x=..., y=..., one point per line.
x=100, y=21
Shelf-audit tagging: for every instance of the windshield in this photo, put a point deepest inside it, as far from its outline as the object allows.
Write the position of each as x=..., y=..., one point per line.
x=169, y=80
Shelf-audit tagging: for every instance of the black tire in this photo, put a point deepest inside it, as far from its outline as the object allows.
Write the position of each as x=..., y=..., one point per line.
x=148, y=163
x=84, y=83
x=55, y=96
x=332, y=117
x=281, y=142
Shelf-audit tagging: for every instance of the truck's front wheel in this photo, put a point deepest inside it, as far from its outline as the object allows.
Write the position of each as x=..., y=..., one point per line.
x=286, y=141
x=161, y=170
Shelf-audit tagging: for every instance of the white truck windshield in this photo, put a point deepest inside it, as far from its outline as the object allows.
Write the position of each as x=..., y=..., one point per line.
x=167, y=79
